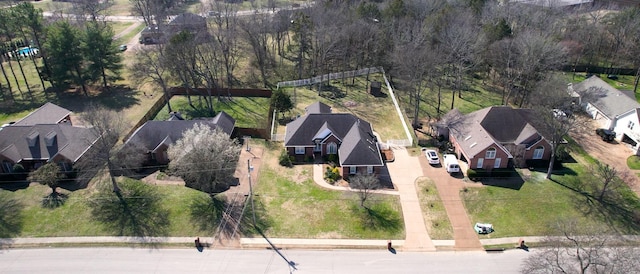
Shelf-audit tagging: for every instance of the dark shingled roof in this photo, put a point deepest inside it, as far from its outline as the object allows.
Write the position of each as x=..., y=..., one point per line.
x=358, y=146
x=495, y=125
x=153, y=133
x=47, y=141
x=48, y=113
x=318, y=107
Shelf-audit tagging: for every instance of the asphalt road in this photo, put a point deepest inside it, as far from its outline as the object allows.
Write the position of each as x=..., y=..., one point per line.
x=139, y=260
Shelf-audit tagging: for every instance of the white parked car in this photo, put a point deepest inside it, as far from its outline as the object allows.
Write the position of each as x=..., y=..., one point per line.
x=432, y=156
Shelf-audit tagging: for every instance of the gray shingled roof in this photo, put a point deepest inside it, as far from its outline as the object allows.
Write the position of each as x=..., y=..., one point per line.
x=153, y=133
x=48, y=113
x=494, y=125
x=68, y=141
x=188, y=19
x=610, y=101
x=318, y=107
x=358, y=145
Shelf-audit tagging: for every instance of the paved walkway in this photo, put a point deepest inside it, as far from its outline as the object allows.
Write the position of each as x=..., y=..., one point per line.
x=449, y=189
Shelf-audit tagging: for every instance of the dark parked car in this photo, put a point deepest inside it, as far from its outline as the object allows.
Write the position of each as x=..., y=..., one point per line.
x=606, y=134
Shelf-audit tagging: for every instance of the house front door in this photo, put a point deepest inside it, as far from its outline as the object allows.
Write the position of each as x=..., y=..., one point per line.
x=480, y=163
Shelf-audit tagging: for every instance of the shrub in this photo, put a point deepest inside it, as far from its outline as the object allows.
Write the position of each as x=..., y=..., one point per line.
x=284, y=159
x=332, y=174
x=333, y=158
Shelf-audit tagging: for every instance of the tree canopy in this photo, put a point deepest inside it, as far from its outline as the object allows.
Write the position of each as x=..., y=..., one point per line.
x=205, y=158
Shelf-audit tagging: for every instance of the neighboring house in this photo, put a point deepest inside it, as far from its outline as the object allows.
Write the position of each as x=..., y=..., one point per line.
x=320, y=133
x=611, y=108
x=193, y=23
x=155, y=137
x=48, y=113
x=44, y=135
x=497, y=137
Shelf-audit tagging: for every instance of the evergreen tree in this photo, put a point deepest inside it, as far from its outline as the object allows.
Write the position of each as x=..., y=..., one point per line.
x=63, y=46
x=101, y=54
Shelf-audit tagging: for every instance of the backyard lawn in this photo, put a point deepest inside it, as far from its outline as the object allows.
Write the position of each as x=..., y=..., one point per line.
x=298, y=208
x=379, y=111
x=249, y=112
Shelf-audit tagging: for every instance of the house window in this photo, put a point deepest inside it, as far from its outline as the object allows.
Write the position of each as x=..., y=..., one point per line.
x=332, y=148
x=317, y=147
x=353, y=170
x=480, y=163
x=497, y=163
x=630, y=125
x=538, y=152
x=299, y=150
x=66, y=167
x=7, y=167
x=491, y=153
x=369, y=169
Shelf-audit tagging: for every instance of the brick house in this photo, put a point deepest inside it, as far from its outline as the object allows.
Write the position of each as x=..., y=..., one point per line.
x=497, y=137
x=155, y=137
x=321, y=135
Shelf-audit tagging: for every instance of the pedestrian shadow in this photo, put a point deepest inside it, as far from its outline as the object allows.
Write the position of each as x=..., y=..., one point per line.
x=392, y=250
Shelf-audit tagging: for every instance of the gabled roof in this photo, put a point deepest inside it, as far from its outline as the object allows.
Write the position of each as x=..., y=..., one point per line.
x=607, y=99
x=47, y=140
x=188, y=19
x=499, y=125
x=317, y=107
x=154, y=133
x=358, y=146
x=48, y=113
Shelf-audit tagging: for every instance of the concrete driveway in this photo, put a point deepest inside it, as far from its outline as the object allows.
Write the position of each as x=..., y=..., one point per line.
x=449, y=188
x=614, y=154
x=404, y=171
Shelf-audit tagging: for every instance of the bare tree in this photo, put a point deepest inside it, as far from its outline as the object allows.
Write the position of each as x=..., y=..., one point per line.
x=583, y=250
x=365, y=184
x=153, y=12
x=94, y=10
x=150, y=66
x=204, y=158
x=104, y=152
x=605, y=179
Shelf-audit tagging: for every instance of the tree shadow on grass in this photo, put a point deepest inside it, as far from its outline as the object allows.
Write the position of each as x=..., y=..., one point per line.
x=54, y=200
x=134, y=211
x=378, y=217
x=207, y=211
x=115, y=98
x=621, y=213
x=10, y=218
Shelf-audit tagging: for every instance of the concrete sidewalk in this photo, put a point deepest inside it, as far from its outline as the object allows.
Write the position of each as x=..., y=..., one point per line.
x=262, y=243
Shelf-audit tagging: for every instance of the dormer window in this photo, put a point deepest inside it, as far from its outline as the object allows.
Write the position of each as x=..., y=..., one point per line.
x=50, y=139
x=32, y=138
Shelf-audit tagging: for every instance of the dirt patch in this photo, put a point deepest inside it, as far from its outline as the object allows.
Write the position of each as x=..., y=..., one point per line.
x=614, y=154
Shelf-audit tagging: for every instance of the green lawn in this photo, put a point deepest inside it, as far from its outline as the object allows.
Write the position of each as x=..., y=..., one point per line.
x=539, y=203
x=379, y=111
x=298, y=208
x=249, y=112
x=633, y=162
x=127, y=37
x=433, y=211
x=74, y=217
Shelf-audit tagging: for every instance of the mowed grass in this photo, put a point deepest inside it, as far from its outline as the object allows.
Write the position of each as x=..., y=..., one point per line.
x=354, y=99
x=433, y=211
x=74, y=217
x=298, y=208
x=539, y=204
x=633, y=162
x=250, y=112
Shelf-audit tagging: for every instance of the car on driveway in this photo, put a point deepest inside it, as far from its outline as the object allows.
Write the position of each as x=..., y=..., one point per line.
x=606, y=134
x=122, y=47
x=432, y=156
